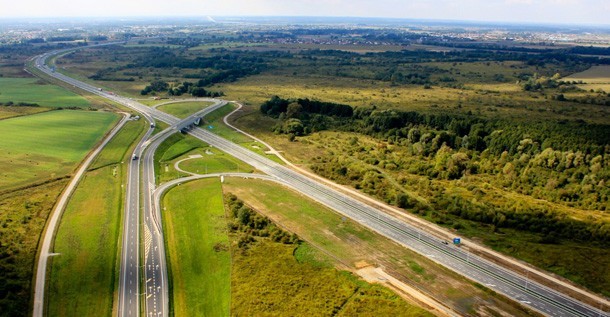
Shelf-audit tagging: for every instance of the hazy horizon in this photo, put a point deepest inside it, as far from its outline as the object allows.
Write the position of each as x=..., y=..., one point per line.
x=559, y=12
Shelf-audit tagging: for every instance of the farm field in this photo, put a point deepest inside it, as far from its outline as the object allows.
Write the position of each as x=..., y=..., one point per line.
x=82, y=277
x=33, y=90
x=596, y=78
x=184, y=109
x=197, y=249
x=48, y=145
x=595, y=75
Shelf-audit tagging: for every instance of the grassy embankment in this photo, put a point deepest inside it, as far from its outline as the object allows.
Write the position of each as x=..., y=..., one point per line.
x=213, y=274
x=83, y=276
x=184, y=109
x=40, y=151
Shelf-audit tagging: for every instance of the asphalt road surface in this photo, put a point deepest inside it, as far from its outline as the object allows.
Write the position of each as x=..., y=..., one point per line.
x=511, y=284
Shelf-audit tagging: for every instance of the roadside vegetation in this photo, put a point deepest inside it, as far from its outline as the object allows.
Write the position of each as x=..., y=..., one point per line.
x=82, y=278
x=353, y=246
x=214, y=122
x=237, y=262
x=486, y=179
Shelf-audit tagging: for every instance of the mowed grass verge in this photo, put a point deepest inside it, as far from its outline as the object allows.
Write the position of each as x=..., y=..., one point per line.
x=184, y=109
x=48, y=145
x=197, y=248
x=82, y=279
x=33, y=90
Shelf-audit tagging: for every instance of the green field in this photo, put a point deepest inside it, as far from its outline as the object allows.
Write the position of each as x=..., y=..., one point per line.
x=82, y=278
x=197, y=244
x=184, y=109
x=33, y=90
x=48, y=145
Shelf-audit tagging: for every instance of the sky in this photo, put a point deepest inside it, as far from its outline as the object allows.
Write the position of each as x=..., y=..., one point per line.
x=522, y=11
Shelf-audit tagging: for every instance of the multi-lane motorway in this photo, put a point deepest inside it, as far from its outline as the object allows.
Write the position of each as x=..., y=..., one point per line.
x=155, y=268
x=513, y=285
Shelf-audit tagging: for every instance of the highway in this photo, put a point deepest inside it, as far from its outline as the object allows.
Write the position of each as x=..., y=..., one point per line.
x=511, y=284
x=155, y=267
x=129, y=277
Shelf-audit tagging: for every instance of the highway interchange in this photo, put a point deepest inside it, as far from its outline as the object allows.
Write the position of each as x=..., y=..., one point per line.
x=511, y=284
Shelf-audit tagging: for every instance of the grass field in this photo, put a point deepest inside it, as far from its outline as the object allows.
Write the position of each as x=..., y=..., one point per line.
x=48, y=145
x=33, y=90
x=349, y=243
x=184, y=109
x=270, y=279
x=83, y=276
x=197, y=248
